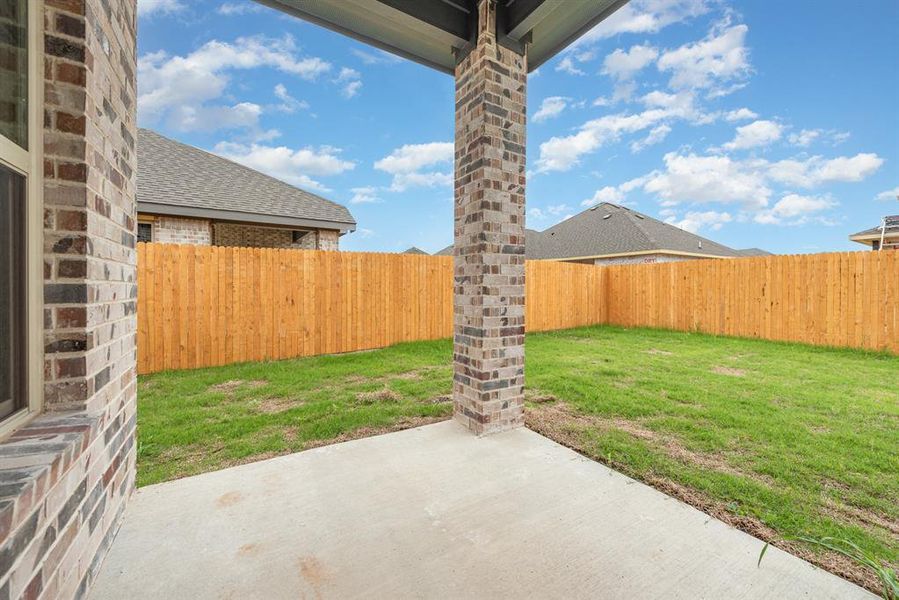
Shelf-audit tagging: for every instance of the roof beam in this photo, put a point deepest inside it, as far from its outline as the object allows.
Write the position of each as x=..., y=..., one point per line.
x=522, y=15
x=450, y=18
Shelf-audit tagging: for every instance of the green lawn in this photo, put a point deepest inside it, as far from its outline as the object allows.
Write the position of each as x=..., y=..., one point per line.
x=778, y=439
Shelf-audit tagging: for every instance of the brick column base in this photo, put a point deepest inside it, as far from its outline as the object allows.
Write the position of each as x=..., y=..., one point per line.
x=488, y=321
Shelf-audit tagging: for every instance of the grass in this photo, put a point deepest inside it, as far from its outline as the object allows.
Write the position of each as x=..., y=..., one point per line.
x=782, y=440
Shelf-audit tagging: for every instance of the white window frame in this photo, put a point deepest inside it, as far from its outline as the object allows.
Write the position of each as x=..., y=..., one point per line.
x=29, y=163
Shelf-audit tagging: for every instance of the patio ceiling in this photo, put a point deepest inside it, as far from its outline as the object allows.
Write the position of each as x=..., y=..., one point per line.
x=433, y=32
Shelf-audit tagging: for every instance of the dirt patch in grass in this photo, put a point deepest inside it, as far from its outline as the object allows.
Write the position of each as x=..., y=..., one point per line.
x=729, y=371
x=538, y=396
x=438, y=400
x=861, y=516
x=377, y=396
x=269, y=406
x=233, y=384
x=564, y=416
x=565, y=426
x=658, y=352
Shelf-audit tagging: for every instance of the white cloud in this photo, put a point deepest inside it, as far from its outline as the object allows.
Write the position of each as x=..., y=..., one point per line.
x=757, y=133
x=622, y=64
x=561, y=153
x=805, y=137
x=740, y=114
x=794, y=209
x=289, y=104
x=695, y=221
x=566, y=65
x=607, y=194
x=229, y=9
x=413, y=165
x=655, y=136
x=892, y=194
x=550, y=107
x=645, y=16
x=694, y=178
x=146, y=8
x=365, y=233
x=720, y=57
x=720, y=179
x=555, y=210
x=182, y=90
x=817, y=170
x=293, y=166
x=364, y=195
x=351, y=80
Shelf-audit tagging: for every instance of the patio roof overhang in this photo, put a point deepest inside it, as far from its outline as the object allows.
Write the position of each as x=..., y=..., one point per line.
x=435, y=32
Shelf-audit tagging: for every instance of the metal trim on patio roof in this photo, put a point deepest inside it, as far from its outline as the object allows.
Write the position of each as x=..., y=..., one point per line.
x=434, y=32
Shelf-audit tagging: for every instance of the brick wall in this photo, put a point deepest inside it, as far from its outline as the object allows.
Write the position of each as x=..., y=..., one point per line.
x=489, y=197
x=178, y=230
x=68, y=474
x=328, y=240
x=236, y=234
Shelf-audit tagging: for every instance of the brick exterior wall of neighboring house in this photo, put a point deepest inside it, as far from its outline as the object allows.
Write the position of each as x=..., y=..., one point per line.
x=328, y=239
x=68, y=474
x=203, y=232
x=178, y=230
x=236, y=234
x=489, y=197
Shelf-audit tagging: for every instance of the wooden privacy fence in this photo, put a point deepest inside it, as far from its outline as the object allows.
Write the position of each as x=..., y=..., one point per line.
x=847, y=299
x=203, y=306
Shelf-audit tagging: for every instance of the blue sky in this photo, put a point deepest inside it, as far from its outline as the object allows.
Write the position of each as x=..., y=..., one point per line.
x=753, y=126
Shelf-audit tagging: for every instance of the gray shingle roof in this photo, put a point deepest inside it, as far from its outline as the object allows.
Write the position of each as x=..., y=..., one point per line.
x=753, y=252
x=611, y=229
x=413, y=250
x=876, y=231
x=177, y=176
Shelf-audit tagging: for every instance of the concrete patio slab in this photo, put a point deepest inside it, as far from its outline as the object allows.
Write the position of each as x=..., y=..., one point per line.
x=435, y=512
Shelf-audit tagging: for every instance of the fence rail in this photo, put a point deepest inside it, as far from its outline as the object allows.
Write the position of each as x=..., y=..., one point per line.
x=203, y=306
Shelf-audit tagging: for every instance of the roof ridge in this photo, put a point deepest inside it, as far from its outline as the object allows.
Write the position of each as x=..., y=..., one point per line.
x=239, y=165
x=632, y=215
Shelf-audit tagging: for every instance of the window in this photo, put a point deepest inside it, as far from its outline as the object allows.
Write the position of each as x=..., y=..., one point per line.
x=297, y=236
x=21, y=271
x=14, y=71
x=144, y=232
x=12, y=292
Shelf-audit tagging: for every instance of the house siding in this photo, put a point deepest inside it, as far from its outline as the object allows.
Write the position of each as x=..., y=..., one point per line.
x=71, y=470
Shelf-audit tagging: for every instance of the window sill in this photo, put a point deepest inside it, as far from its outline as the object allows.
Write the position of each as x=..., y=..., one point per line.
x=35, y=458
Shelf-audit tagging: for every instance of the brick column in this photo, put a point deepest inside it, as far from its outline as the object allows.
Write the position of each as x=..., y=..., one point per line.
x=488, y=314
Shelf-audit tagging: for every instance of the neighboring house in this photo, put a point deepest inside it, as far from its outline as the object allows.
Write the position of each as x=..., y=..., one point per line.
x=413, y=250
x=885, y=237
x=612, y=234
x=188, y=196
